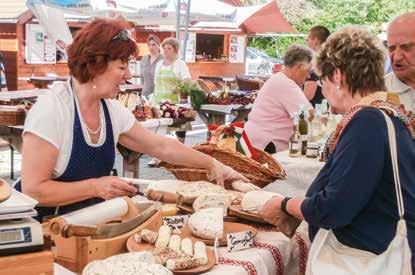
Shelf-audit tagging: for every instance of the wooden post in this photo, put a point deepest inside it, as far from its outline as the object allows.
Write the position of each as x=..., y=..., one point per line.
x=131, y=169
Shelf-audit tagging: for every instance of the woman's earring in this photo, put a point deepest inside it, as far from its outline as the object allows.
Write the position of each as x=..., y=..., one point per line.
x=93, y=85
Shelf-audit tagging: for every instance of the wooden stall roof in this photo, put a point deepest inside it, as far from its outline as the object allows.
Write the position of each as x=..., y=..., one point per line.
x=12, y=9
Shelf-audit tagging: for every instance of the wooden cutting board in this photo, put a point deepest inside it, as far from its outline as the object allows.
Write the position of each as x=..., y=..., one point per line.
x=37, y=263
x=133, y=246
x=5, y=190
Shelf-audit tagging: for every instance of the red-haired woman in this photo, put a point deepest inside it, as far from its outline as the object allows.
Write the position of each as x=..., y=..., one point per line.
x=70, y=134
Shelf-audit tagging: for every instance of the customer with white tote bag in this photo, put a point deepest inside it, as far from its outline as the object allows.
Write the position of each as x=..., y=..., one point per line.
x=360, y=209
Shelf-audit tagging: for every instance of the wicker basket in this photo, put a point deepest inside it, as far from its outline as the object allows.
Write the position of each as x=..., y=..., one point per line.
x=12, y=118
x=261, y=172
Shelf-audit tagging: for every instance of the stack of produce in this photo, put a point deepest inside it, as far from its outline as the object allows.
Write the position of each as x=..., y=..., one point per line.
x=223, y=99
x=169, y=110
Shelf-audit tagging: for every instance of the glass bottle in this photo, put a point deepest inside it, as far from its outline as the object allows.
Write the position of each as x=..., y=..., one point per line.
x=294, y=145
x=303, y=128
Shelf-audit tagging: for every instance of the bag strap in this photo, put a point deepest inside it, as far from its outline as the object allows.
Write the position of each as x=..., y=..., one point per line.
x=394, y=158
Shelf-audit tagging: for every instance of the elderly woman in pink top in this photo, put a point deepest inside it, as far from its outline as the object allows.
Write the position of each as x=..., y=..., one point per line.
x=270, y=124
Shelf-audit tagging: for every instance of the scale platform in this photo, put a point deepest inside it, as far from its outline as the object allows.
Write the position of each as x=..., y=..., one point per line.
x=19, y=232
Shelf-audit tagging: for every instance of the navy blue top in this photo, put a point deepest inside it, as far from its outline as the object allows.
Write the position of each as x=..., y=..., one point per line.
x=85, y=162
x=354, y=193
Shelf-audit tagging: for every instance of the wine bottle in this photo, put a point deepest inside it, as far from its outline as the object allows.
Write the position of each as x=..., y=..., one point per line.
x=294, y=145
x=303, y=128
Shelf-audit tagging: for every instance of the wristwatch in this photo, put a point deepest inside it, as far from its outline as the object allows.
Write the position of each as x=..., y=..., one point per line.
x=284, y=205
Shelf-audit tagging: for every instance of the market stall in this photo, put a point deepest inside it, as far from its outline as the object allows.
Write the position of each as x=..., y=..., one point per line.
x=14, y=104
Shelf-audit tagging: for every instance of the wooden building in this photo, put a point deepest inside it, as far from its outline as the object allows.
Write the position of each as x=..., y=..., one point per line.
x=212, y=49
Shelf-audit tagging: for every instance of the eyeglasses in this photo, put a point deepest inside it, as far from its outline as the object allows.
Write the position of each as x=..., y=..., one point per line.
x=123, y=35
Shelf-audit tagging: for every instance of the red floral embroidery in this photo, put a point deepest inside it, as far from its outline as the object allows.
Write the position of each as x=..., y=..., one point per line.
x=248, y=266
x=303, y=252
x=275, y=254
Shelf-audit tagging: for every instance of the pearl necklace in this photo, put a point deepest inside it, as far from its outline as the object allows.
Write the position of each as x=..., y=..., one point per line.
x=99, y=127
x=93, y=132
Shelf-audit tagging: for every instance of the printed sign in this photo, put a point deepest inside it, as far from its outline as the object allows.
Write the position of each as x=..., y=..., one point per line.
x=175, y=221
x=240, y=240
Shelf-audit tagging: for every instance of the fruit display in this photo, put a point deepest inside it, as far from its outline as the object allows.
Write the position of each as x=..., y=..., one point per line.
x=169, y=110
x=222, y=99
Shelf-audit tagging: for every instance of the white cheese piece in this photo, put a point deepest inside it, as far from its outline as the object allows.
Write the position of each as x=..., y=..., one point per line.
x=245, y=187
x=207, y=223
x=163, y=237
x=189, y=192
x=200, y=253
x=127, y=264
x=165, y=185
x=187, y=246
x=256, y=199
x=175, y=243
x=212, y=201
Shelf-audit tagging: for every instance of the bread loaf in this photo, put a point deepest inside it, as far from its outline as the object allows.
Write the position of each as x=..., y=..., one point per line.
x=207, y=223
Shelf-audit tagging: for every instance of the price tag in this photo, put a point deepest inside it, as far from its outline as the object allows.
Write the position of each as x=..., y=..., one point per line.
x=240, y=240
x=175, y=222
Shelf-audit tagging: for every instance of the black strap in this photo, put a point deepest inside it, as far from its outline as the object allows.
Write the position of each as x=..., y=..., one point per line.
x=284, y=205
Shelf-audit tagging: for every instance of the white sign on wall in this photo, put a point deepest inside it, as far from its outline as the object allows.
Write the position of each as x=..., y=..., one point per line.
x=191, y=48
x=237, y=48
x=39, y=48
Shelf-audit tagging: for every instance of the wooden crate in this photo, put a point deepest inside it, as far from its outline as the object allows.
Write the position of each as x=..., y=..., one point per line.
x=12, y=118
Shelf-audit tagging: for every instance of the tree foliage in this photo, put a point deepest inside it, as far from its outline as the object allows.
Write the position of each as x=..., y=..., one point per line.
x=334, y=14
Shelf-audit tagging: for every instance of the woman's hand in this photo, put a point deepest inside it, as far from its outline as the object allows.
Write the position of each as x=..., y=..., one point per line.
x=111, y=187
x=221, y=172
x=271, y=210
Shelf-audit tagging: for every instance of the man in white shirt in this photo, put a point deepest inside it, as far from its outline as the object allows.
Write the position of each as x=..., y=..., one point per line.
x=401, y=47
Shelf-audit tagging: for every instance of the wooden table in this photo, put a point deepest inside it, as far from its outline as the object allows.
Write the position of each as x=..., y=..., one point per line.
x=272, y=253
x=42, y=82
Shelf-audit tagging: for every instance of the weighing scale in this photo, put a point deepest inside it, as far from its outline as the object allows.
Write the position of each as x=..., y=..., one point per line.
x=19, y=232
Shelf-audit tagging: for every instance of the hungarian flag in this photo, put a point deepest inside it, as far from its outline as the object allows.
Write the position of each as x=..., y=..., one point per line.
x=243, y=145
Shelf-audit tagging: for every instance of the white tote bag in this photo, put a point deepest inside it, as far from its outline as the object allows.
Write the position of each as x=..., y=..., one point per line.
x=328, y=256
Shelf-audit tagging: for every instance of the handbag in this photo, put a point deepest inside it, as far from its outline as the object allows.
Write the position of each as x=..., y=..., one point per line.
x=329, y=256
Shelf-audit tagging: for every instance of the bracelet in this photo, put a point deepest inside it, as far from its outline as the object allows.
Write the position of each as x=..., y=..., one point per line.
x=284, y=205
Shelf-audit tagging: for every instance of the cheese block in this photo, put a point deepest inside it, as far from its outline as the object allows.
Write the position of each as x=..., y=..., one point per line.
x=244, y=186
x=207, y=223
x=200, y=253
x=165, y=185
x=256, y=199
x=212, y=201
x=142, y=263
x=169, y=210
x=163, y=238
x=189, y=192
x=236, y=196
